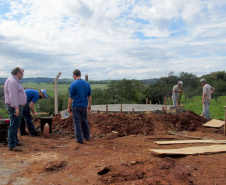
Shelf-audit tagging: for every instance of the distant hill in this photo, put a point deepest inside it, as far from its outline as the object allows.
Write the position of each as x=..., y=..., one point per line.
x=69, y=80
x=150, y=81
x=32, y=80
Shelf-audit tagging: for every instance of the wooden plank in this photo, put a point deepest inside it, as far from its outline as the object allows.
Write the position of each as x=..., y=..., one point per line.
x=161, y=138
x=189, y=141
x=191, y=150
x=42, y=113
x=183, y=135
x=171, y=111
x=214, y=123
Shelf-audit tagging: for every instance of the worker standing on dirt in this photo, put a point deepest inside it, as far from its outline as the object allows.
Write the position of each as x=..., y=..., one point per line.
x=80, y=100
x=15, y=98
x=32, y=98
x=176, y=90
x=206, y=97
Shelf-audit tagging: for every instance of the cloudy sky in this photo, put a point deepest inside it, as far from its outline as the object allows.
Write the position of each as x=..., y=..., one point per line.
x=112, y=39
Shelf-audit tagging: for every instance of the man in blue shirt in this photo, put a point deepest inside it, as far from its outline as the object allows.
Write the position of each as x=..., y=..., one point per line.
x=80, y=100
x=32, y=98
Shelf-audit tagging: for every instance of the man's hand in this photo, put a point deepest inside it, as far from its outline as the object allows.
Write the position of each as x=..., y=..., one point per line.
x=69, y=110
x=17, y=111
x=34, y=114
x=89, y=109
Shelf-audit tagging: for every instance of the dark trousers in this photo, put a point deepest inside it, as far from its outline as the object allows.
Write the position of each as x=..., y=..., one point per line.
x=26, y=120
x=14, y=125
x=81, y=125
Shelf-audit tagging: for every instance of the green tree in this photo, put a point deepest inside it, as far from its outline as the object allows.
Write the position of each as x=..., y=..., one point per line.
x=191, y=85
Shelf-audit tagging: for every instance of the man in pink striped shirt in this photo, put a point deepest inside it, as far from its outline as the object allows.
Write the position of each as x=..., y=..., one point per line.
x=15, y=98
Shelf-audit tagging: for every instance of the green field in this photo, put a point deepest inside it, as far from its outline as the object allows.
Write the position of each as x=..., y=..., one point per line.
x=217, y=109
x=62, y=89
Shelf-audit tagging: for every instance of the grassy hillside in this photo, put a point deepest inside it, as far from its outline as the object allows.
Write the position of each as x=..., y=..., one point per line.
x=62, y=89
x=217, y=109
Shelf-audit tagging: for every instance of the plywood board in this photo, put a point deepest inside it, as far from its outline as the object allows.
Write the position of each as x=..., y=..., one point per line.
x=191, y=150
x=189, y=141
x=214, y=123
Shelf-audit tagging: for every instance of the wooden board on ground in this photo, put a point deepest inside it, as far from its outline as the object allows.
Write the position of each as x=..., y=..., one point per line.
x=189, y=141
x=191, y=150
x=42, y=113
x=214, y=123
x=171, y=111
x=161, y=138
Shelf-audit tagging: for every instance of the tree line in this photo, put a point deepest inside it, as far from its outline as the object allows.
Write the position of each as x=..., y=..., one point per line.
x=136, y=91
x=133, y=91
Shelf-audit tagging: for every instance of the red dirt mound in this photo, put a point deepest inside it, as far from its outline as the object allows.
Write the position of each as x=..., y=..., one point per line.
x=121, y=124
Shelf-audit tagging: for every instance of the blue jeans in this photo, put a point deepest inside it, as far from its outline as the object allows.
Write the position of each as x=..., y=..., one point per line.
x=27, y=119
x=14, y=125
x=206, y=109
x=174, y=101
x=81, y=125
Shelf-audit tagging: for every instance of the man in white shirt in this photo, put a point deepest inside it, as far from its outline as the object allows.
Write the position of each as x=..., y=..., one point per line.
x=175, y=92
x=206, y=97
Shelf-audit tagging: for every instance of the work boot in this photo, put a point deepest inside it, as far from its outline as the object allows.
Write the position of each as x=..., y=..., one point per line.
x=35, y=134
x=24, y=133
x=80, y=142
x=20, y=144
x=16, y=149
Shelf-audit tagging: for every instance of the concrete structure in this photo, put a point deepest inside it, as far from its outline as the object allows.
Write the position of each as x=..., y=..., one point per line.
x=128, y=107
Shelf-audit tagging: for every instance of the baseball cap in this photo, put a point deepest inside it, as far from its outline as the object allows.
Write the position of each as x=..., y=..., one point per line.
x=44, y=92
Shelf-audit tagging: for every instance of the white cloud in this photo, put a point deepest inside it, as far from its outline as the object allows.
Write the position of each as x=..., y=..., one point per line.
x=112, y=39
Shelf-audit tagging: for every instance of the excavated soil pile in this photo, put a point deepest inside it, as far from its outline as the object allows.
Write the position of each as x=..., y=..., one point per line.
x=121, y=124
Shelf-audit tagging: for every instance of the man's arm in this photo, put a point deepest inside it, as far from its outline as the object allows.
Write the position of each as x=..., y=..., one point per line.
x=212, y=90
x=70, y=100
x=32, y=107
x=89, y=103
x=176, y=89
x=203, y=97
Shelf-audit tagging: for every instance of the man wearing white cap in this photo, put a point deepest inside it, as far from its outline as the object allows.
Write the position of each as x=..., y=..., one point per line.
x=32, y=98
x=206, y=97
x=176, y=90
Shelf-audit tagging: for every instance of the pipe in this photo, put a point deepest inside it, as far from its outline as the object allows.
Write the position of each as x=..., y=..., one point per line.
x=56, y=96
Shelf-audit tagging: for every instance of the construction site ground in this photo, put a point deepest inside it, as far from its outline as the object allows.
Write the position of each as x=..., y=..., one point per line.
x=116, y=154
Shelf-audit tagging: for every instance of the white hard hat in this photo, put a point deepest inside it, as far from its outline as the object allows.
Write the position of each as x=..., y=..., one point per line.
x=180, y=82
x=203, y=80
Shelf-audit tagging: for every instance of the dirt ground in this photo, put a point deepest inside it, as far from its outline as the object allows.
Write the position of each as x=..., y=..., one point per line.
x=116, y=154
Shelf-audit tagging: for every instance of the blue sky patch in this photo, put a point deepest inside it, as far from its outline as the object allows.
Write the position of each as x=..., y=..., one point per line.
x=4, y=8
x=141, y=36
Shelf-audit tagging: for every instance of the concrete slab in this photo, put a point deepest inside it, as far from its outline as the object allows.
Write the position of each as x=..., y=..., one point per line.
x=128, y=107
